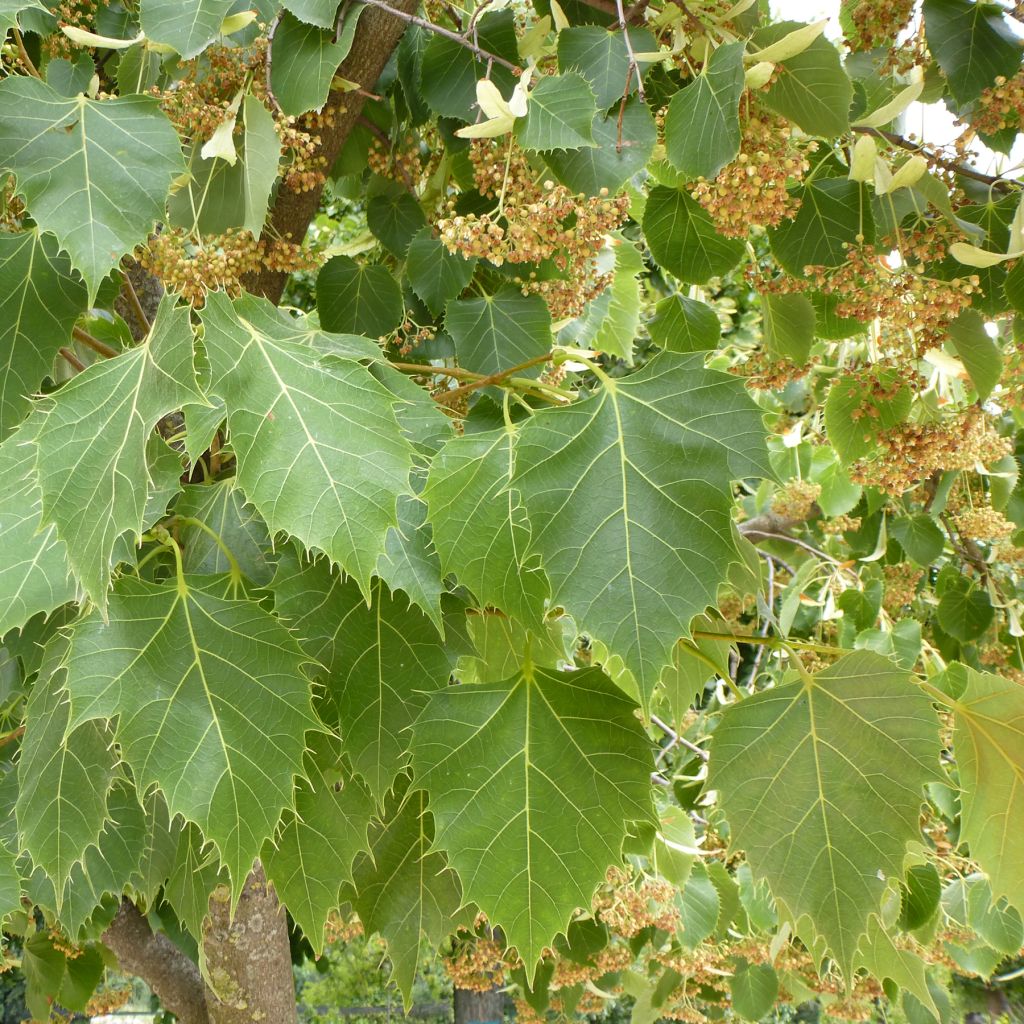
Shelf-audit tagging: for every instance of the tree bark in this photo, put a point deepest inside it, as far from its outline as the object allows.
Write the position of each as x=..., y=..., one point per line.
x=248, y=961
x=479, y=1007
x=154, y=958
x=376, y=38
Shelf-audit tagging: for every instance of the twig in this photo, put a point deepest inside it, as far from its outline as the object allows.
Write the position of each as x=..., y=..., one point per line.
x=268, y=63
x=133, y=301
x=681, y=740
x=992, y=180
x=72, y=358
x=13, y=735
x=23, y=54
x=496, y=378
x=785, y=538
x=414, y=19
x=100, y=347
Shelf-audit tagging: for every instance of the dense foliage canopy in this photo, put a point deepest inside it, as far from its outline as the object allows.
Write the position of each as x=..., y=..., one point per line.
x=604, y=566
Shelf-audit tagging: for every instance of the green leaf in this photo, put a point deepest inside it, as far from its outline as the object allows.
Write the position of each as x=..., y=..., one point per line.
x=181, y=668
x=409, y=562
x=95, y=486
x=450, y=71
x=682, y=324
x=320, y=454
x=10, y=881
x=35, y=575
x=435, y=274
x=312, y=854
x=64, y=774
x=358, y=298
x=195, y=873
x=223, y=508
x=559, y=114
x=919, y=536
x=188, y=26
x=964, y=610
x=833, y=214
x=973, y=44
x=496, y=332
x=989, y=745
x=698, y=905
x=812, y=88
x=649, y=542
x=261, y=152
x=380, y=661
x=920, y=896
x=405, y=889
x=842, y=763
x=314, y=12
x=600, y=56
x=10, y=9
x=395, y=217
x=617, y=329
x=94, y=173
x=754, y=989
x=39, y=303
x=606, y=164
x=532, y=783
x=788, y=325
x=305, y=59
x=684, y=240
x=849, y=421
x=883, y=959
x=978, y=351
x=480, y=527
x=702, y=125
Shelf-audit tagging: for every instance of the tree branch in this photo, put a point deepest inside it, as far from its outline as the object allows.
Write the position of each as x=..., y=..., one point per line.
x=376, y=37
x=152, y=956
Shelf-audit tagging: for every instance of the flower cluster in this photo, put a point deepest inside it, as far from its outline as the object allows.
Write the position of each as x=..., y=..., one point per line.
x=218, y=262
x=753, y=188
x=628, y=905
x=1000, y=106
x=795, y=499
x=76, y=14
x=534, y=223
x=983, y=522
x=877, y=22
x=900, y=586
x=911, y=452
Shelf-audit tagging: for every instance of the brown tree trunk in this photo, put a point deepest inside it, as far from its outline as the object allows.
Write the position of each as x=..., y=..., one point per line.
x=479, y=1007
x=248, y=963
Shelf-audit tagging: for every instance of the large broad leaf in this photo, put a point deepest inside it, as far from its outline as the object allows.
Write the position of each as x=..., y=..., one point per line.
x=841, y=765
x=811, y=87
x=221, y=507
x=682, y=324
x=10, y=882
x=615, y=156
x=450, y=71
x=601, y=57
x=312, y=854
x=358, y=298
x=93, y=472
x=989, y=744
x=683, y=238
x=702, y=126
x=305, y=59
x=480, y=527
x=320, y=453
x=39, y=303
x=381, y=661
x=405, y=889
x=195, y=873
x=181, y=669
x=64, y=774
x=559, y=114
x=10, y=9
x=410, y=563
x=973, y=44
x=35, y=574
x=533, y=782
x=496, y=332
x=647, y=465
x=435, y=274
x=834, y=214
x=315, y=12
x=95, y=173
x=788, y=325
x=186, y=25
